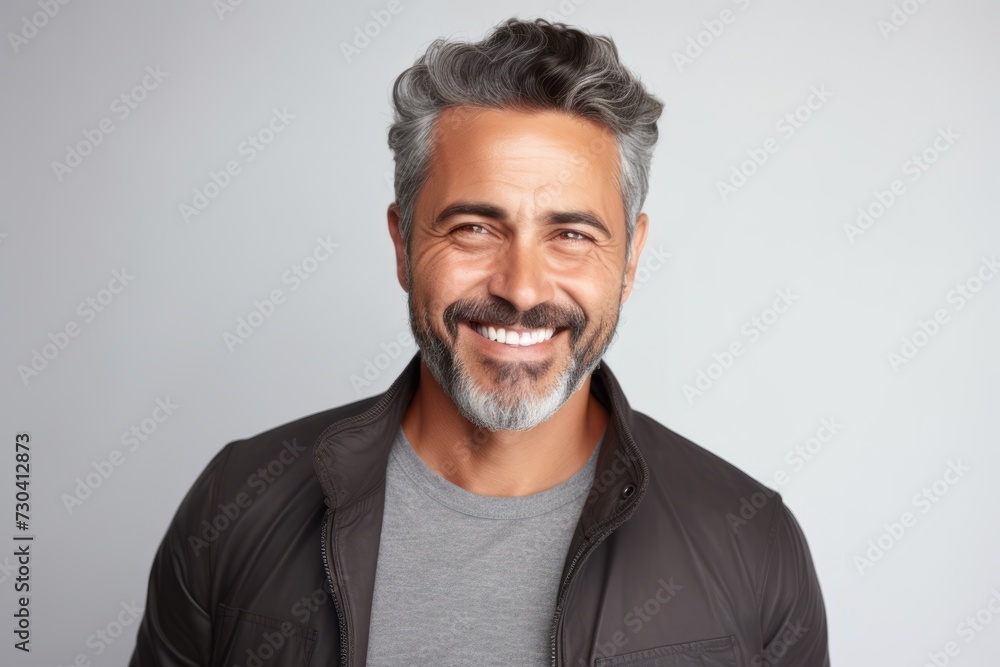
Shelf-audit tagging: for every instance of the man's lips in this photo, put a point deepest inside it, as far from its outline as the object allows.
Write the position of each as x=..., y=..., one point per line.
x=513, y=337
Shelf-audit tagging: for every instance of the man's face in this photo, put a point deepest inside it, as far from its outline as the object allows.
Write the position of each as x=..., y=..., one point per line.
x=520, y=227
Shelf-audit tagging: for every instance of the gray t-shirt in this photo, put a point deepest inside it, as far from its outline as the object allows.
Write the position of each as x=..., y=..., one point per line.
x=467, y=579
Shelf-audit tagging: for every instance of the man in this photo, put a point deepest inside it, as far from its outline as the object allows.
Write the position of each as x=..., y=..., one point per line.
x=500, y=503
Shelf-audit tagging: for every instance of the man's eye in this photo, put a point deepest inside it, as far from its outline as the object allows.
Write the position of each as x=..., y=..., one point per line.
x=469, y=227
x=474, y=229
x=580, y=236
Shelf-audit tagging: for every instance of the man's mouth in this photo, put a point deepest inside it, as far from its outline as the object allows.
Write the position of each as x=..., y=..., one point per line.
x=513, y=337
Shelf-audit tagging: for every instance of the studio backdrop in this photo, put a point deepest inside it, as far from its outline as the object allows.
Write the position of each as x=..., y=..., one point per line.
x=194, y=249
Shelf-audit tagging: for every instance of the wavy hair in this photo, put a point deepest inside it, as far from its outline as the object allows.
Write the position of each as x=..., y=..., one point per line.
x=524, y=65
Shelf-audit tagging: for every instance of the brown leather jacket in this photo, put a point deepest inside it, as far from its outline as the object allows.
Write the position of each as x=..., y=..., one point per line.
x=679, y=558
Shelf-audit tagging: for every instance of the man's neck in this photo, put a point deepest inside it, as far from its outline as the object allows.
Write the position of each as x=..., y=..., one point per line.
x=502, y=463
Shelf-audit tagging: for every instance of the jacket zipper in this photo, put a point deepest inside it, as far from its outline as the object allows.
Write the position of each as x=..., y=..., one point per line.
x=329, y=580
x=369, y=415
x=559, y=604
x=585, y=550
x=582, y=553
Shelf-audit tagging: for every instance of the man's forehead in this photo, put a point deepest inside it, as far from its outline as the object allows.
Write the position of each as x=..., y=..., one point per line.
x=566, y=164
x=584, y=135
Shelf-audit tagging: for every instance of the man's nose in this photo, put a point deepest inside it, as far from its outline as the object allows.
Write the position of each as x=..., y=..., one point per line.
x=521, y=275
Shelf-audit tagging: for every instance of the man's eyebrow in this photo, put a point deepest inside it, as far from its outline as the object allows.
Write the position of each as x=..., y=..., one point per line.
x=582, y=217
x=471, y=208
x=496, y=213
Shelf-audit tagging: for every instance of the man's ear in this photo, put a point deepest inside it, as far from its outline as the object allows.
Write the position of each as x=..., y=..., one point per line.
x=397, y=240
x=638, y=242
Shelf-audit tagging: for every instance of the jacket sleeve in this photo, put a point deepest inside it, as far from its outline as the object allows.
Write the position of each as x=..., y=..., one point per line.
x=176, y=628
x=792, y=612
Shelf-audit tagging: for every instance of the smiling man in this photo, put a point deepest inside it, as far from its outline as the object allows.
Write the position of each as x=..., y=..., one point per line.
x=501, y=503
x=518, y=293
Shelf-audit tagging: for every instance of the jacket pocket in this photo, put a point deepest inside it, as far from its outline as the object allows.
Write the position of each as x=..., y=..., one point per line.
x=719, y=652
x=243, y=638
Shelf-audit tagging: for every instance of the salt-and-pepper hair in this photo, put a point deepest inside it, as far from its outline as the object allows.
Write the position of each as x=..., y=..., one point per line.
x=529, y=65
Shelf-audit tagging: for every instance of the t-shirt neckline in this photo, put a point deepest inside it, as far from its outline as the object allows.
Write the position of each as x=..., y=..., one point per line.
x=491, y=507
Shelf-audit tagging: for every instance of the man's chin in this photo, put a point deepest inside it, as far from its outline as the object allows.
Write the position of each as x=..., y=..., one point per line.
x=511, y=377
x=513, y=407
x=500, y=390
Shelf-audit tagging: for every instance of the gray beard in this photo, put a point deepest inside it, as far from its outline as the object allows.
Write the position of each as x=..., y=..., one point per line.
x=486, y=409
x=489, y=410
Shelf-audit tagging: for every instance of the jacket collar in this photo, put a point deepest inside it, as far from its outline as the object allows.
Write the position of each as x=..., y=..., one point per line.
x=350, y=456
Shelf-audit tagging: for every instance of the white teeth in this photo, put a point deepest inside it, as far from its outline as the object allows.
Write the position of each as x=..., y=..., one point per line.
x=513, y=338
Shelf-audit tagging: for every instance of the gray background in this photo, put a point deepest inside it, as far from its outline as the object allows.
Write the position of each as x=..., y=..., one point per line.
x=722, y=260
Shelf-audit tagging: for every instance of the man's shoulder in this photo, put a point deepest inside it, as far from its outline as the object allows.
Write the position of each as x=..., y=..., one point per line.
x=281, y=456
x=255, y=484
x=304, y=430
x=700, y=497
x=695, y=477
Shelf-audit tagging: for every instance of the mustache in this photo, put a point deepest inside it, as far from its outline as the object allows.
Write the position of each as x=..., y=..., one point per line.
x=499, y=311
